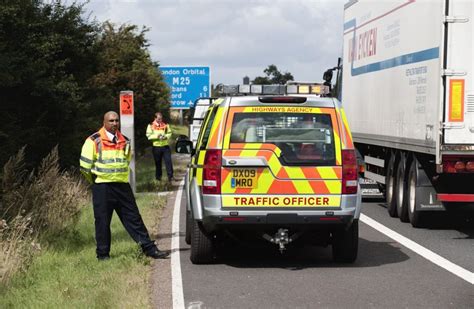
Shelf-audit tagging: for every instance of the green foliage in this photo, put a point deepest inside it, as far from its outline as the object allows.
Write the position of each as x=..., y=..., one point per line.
x=47, y=54
x=66, y=273
x=125, y=64
x=273, y=76
x=60, y=72
x=34, y=204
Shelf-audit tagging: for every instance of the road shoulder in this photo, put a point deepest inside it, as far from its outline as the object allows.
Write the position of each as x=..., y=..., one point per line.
x=161, y=295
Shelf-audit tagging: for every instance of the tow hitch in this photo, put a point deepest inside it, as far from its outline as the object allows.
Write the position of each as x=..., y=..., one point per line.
x=281, y=238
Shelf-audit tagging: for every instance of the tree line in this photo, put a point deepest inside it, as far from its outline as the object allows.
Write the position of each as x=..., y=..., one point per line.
x=60, y=72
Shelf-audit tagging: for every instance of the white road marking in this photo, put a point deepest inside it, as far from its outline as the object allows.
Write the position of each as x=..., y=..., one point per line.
x=424, y=252
x=176, y=278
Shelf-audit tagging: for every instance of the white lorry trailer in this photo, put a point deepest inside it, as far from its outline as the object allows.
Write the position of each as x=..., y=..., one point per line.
x=408, y=91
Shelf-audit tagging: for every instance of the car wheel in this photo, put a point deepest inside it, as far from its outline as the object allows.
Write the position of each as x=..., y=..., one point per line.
x=390, y=187
x=415, y=216
x=401, y=189
x=202, y=245
x=189, y=226
x=345, y=243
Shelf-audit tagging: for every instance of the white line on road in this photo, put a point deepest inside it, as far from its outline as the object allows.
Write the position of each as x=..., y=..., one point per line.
x=424, y=252
x=176, y=279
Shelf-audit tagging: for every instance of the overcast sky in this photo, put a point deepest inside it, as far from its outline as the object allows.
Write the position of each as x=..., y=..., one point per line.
x=236, y=37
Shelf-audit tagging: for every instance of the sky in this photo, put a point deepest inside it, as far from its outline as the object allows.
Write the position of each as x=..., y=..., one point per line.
x=236, y=38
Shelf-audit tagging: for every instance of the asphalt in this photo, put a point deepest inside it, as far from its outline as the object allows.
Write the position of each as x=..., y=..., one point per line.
x=386, y=274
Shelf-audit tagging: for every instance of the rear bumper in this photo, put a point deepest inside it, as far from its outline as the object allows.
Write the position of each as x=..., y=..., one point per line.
x=215, y=217
x=295, y=221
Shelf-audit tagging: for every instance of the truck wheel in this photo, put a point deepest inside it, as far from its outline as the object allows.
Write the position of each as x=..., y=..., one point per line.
x=390, y=187
x=401, y=190
x=415, y=216
x=189, y=226
x=345, y=243
x=202, y=246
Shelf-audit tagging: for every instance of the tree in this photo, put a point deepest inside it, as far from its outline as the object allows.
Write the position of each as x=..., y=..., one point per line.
x=273, y=76
x=46, y=57
x=125, y=64
x=59, y=73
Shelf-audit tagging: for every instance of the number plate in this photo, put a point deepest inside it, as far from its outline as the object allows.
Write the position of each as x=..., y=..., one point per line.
x=243, y=178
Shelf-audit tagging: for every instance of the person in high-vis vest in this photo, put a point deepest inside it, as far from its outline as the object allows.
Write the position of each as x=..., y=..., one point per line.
x=159, y=133
x=104, y=162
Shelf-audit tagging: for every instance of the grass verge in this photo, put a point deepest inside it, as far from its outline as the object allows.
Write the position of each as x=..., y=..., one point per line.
x=67, y=274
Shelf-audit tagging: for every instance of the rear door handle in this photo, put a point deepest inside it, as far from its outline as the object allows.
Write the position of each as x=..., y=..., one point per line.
x=238, y=161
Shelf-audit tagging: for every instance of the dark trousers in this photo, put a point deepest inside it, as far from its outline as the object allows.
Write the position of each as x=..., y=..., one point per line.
x=162, y=153
x=108, y=197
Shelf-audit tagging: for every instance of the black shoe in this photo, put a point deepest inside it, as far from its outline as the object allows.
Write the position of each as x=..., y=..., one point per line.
x=103, y=257
x=157, y=254
x=171, y=179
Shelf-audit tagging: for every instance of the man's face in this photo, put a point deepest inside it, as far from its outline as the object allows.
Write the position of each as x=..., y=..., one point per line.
x=111, y=123
x=159, y=118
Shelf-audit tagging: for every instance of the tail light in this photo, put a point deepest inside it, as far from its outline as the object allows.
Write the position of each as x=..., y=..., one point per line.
x=458, y=164
x=349, y=171
x=211, y=174
x=470, y=166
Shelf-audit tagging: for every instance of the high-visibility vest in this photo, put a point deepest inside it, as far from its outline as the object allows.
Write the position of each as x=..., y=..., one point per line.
x=107, y=161
x=155, y=130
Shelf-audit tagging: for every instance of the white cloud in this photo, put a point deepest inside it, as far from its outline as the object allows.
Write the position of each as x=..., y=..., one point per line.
x=236, y=37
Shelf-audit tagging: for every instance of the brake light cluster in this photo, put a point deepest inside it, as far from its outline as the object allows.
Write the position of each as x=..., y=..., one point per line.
x=349, y=171
x=458, y=164
x=212, y=172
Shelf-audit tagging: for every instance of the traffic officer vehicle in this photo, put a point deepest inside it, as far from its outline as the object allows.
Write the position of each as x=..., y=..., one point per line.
x=278, y=167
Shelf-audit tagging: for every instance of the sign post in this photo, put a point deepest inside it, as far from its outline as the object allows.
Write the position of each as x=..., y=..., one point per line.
x=186, y=84
x=126, y=127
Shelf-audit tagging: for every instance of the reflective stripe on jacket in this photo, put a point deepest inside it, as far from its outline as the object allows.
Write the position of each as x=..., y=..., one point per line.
x=102, y=158
x=155, y=130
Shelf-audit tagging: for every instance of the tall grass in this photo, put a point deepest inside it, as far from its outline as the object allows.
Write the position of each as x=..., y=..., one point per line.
x=68, y=275
x=34, y=204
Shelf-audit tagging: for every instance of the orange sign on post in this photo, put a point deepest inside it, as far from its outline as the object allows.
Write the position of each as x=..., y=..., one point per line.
x=126, y=102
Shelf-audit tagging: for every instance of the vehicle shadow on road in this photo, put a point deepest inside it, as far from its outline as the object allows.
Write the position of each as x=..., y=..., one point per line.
x=371, y=254
x=461, y=220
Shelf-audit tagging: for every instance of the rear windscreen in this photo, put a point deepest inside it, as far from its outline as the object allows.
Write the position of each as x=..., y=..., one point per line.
x=303, y=138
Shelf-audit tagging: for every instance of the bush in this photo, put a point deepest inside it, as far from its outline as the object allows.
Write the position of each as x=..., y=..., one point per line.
x=32, y=205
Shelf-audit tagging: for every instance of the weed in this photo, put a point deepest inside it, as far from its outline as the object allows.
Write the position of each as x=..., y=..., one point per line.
x=32, y=205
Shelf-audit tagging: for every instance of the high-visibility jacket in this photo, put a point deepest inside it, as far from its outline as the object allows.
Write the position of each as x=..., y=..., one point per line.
x=104, y=160
x=155, y=130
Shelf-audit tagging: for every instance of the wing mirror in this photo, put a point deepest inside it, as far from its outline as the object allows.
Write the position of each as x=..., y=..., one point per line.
x=184, y=145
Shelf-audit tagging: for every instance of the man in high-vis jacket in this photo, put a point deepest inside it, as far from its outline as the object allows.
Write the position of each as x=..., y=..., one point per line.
x=104, y=162
x=159, y=133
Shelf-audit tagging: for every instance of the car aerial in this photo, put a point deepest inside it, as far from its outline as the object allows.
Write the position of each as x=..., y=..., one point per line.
x=279, y=167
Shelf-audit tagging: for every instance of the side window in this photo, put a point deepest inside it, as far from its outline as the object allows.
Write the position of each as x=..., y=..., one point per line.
x=206, y=117
x=207, y=130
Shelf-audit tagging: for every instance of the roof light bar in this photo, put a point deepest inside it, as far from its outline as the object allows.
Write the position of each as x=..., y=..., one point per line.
x=257, y=89
x=244, y=88
x=291, y=88
x=304, y=89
